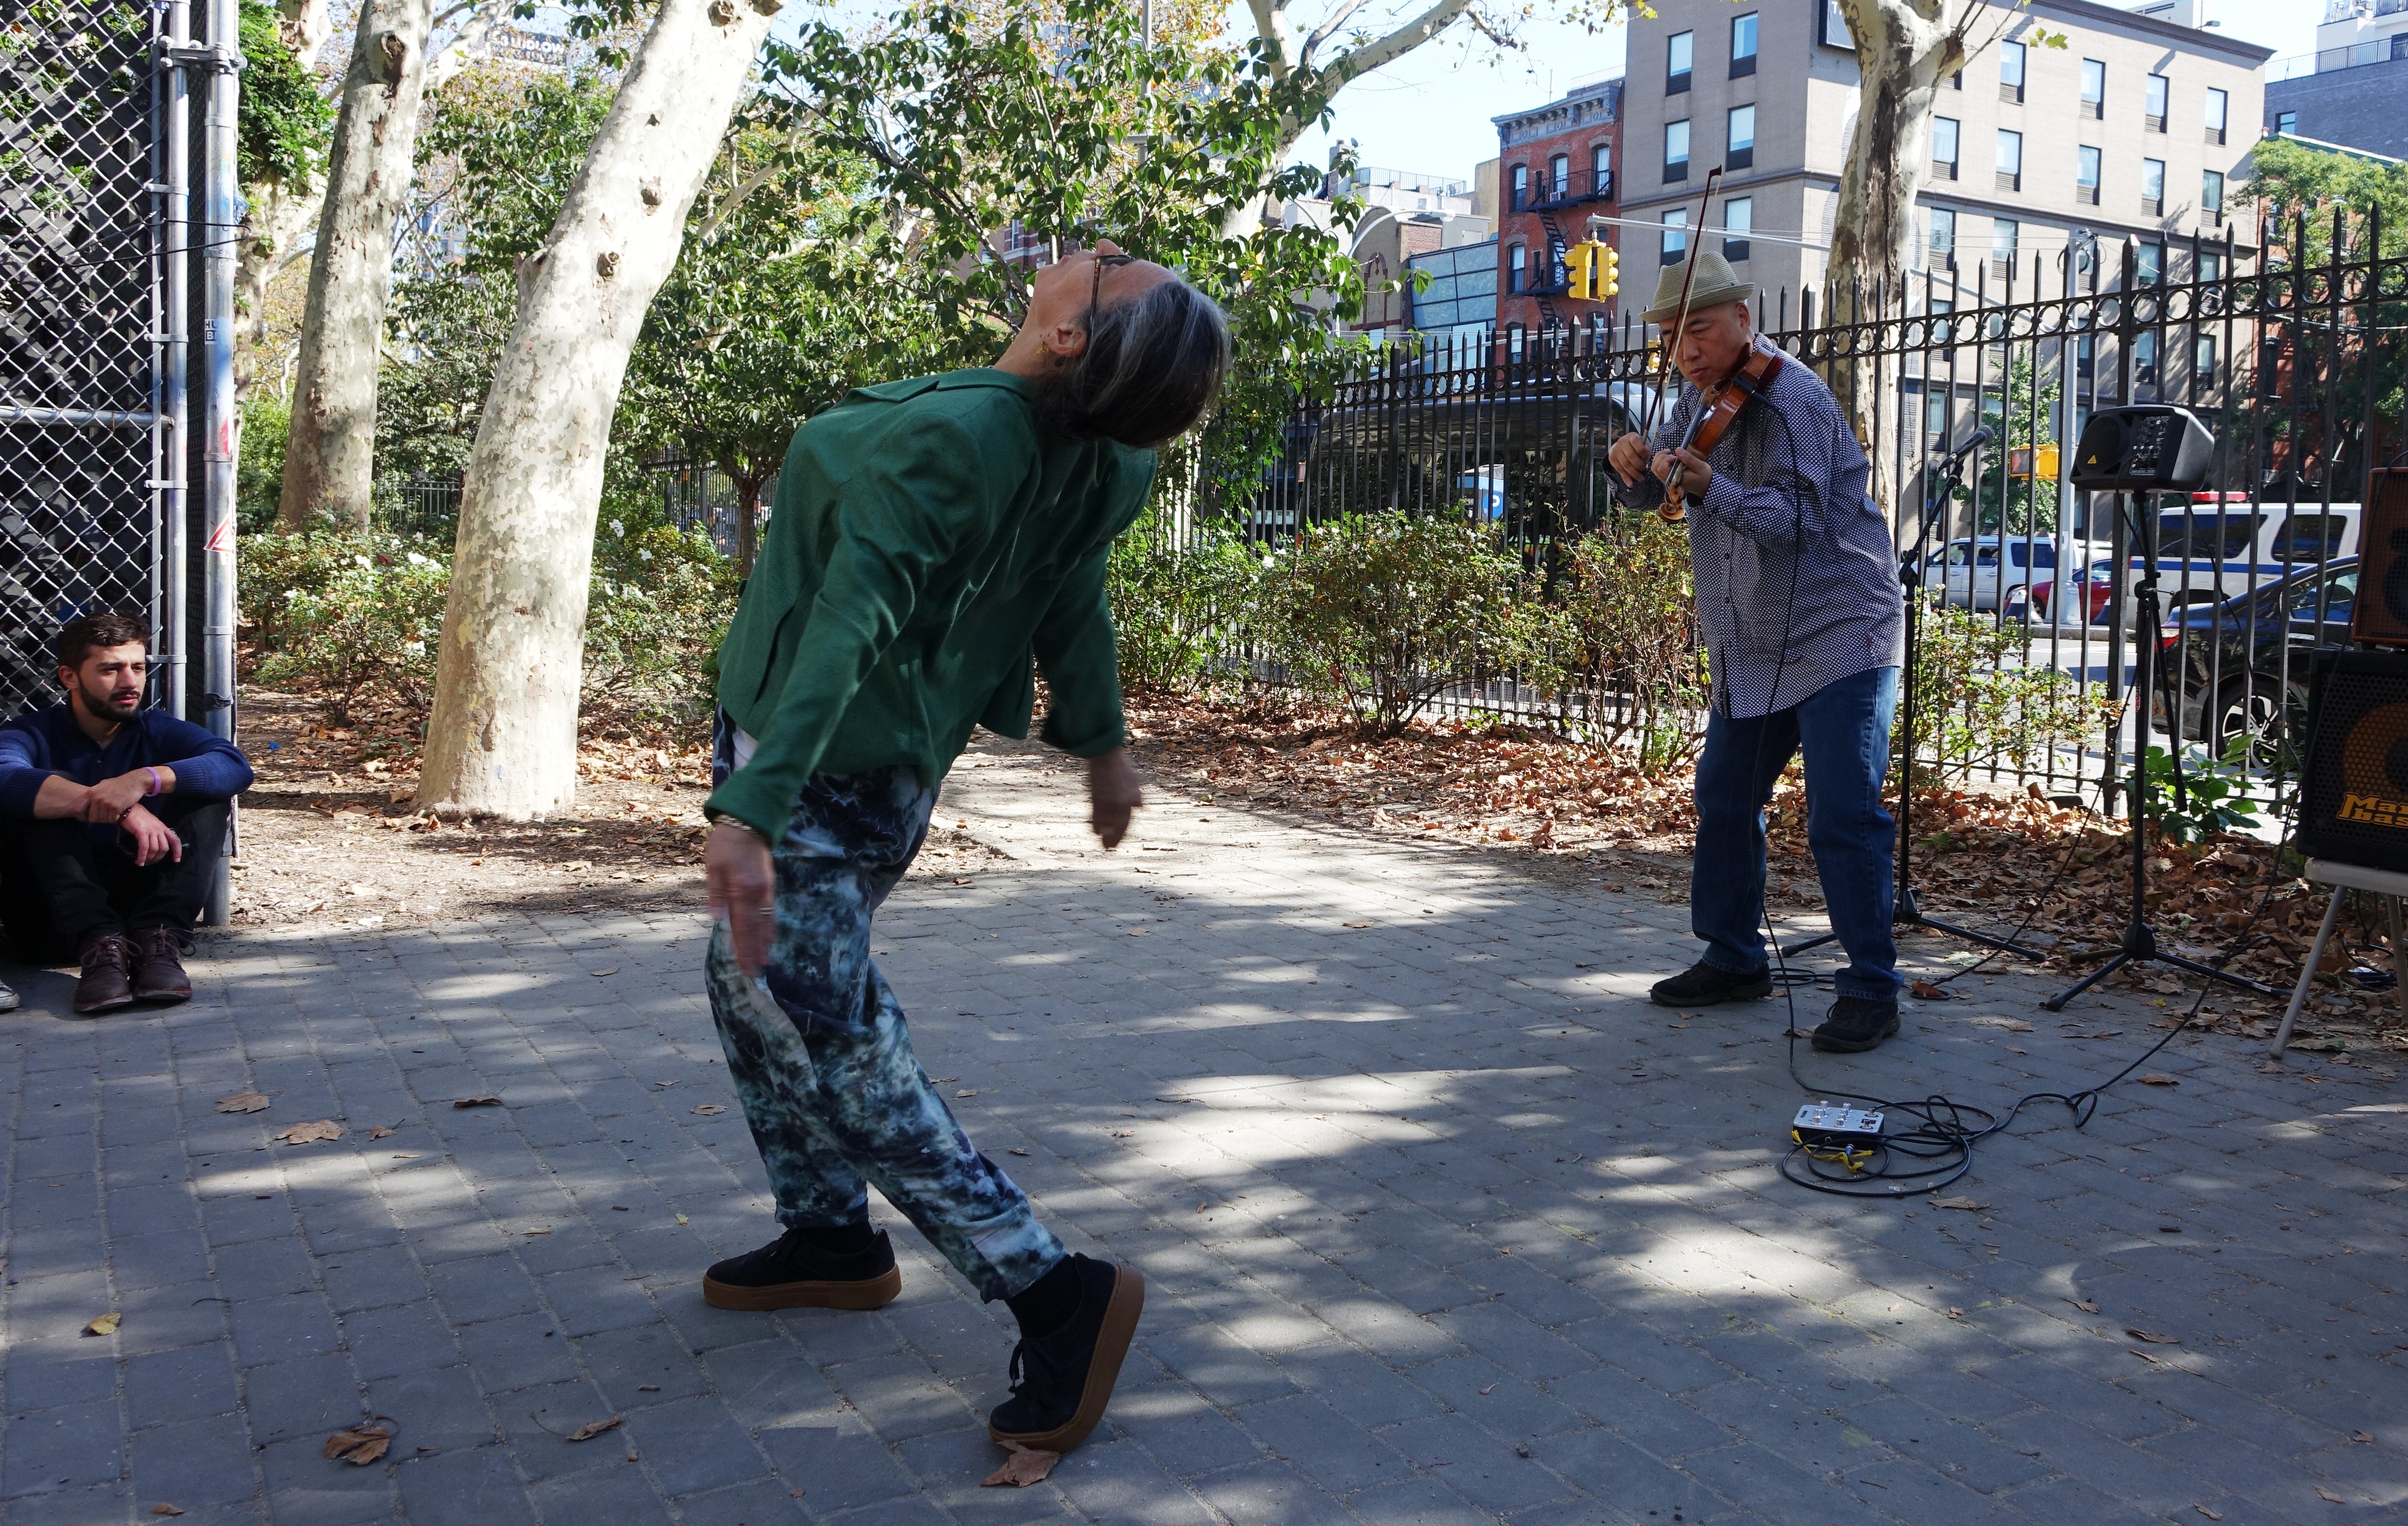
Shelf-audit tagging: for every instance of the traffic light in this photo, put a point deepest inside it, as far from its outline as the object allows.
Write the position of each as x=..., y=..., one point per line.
x=1594, y=271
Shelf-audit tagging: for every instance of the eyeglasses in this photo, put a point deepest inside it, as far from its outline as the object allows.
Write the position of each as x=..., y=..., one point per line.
x=1096, y=298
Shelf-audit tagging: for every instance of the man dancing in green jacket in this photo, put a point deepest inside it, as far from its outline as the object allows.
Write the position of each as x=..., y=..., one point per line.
x=935, y=542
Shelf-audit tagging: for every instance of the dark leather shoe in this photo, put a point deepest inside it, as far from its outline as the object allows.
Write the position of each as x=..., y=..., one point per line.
x=790, y=1273
x=1856, y=1025
x=1062, y=1382
x=108, y=980
x=1701, y=986
x=159, y=966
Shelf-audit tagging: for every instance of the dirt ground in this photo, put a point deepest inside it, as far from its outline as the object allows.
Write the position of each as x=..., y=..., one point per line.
x=328, y=838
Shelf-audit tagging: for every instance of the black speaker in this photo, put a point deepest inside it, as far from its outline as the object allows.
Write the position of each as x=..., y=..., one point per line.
x=2353, y=779
x=2379, y=615
x=2144, y=448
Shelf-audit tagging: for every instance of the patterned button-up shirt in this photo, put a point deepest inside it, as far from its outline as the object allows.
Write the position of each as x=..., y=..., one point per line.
x=1797, y=576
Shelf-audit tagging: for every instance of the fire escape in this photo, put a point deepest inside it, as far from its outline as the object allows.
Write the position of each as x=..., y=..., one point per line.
x=1557, y=198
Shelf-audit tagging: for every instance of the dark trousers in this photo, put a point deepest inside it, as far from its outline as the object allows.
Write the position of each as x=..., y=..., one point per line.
x=1843, y=730
x=62, y=885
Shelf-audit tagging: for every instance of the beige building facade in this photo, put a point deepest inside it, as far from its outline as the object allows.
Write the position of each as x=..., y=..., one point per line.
x=2133, y=134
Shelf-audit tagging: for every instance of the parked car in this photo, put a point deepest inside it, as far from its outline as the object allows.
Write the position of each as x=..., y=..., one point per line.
x=1989, y=572
x=2208, y=552
x=2242, y=667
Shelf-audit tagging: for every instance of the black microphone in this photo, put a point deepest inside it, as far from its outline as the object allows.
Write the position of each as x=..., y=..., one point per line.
x=1974, y=442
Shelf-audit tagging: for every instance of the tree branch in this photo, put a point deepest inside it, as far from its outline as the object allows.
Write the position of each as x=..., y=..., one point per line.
x=1322, y=32
x=1382, y=52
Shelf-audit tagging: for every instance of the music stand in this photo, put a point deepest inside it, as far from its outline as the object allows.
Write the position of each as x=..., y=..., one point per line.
x=2145, y=448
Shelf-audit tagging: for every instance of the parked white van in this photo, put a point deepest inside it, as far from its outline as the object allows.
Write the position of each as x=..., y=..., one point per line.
x=2207, y=552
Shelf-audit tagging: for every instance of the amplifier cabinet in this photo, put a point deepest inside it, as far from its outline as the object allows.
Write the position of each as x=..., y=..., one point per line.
x=2354, y=776
x=2379, y=616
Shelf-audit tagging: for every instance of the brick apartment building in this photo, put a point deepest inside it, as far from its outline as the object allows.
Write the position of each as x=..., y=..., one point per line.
x=1557, y=167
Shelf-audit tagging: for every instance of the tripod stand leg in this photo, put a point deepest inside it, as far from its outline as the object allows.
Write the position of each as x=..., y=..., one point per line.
x=2307, y=973
x=2056, y=1003
x=1796, y=949
x=2005, y=945
x=2211, y=972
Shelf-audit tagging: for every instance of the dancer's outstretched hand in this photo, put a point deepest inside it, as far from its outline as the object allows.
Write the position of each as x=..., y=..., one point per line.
x=743, y=887
x=1112, y=791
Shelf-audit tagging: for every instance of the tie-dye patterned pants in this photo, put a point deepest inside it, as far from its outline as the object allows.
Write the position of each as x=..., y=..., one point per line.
x=822, y=1063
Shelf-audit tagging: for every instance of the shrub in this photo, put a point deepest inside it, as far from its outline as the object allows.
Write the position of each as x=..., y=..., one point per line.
x=659, y=604
x=1383, y=612
x=1972, y=711
x=1630, y=622
x=357, y=619
x=1179, y=611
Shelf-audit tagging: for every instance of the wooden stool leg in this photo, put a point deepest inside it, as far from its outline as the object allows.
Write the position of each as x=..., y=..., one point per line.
x=2307, y=973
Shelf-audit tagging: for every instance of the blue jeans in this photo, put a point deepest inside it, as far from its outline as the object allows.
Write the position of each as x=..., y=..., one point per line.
x=1844, y=729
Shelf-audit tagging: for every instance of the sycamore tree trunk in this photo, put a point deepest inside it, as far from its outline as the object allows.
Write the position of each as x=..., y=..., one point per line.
x=502, y=740
x=329, y=452
x=276, y=213
x=1904, y=49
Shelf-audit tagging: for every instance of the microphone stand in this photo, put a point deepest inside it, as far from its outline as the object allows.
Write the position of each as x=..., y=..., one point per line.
x=1908, y=911
x=2138, y=942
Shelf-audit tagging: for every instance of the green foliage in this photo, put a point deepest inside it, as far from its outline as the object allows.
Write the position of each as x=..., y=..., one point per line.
x=2292, y=180
x=2024, y=421
x=658, y=604
x=259, y=475
x=286, y=119
x=2216, y=798
x=1179, y=611
x=1383, y=612
x=349, y=618
x=1972, y=710
x=1630, y=616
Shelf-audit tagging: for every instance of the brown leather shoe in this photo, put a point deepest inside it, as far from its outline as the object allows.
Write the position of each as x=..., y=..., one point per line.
x=159, y=966
x=108, y=982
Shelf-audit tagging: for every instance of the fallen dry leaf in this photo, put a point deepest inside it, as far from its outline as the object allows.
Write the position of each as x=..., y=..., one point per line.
x=1357, y=926
x=2154, y=1338
x=105, y=1325
x=1134, y=932
x=164, y=1508
x=1955, y=1314
x=1926, y=991
x=475, y=1101
x=2360, y=1436
x=242, y=1102
x=304, y=1134
x=599, y=973
x=966, y=1091
x=958, y=880
x=2329, y=1494
x=2154, y=1361
x=593, y=1428
x=1016, y=1150
x=2205, y=1511
x=1022, y=1468
x=706, y=1109
x=2158, y=1078
x=380, y=1131
x=2083, y=1304
x=358, y=1445
x=1966, y=1203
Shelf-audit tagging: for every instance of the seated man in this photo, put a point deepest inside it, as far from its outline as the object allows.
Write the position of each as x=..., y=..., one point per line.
x=112, y=818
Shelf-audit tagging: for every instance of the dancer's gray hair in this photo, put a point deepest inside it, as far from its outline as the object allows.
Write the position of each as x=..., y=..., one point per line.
x=1151, y=368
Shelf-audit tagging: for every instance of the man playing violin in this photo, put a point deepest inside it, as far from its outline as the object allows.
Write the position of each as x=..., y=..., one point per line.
x=1798, y=592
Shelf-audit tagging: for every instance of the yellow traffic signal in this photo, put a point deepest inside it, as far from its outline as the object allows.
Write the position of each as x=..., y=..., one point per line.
x=1594, y=271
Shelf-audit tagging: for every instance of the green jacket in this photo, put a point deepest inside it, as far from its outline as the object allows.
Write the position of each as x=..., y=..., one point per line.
x=927, y=541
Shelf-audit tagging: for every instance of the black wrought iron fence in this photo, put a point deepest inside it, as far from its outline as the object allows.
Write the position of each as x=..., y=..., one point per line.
x=2285, y=346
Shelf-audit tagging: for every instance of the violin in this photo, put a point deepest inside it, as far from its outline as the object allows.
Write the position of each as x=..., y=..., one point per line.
x=1719, y=409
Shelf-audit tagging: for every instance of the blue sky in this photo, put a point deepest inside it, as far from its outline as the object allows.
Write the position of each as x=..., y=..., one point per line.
x=1430, y=111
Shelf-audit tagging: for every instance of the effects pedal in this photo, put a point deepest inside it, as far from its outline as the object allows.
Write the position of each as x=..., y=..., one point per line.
x=1845, y=1136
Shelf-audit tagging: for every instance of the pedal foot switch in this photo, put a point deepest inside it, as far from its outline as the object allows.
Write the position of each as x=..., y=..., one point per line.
x=1845, y=1136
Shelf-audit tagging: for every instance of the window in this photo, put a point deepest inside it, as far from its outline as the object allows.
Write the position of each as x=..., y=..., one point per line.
x=2203, y=360
x=1935, y=424
x=1676, y=151
x=1559, y=274
x=2004, y=234
x=1742, y=152
x=2148, y=264
x=1944, y=236
x=2309, y=537
x=1521, y=187
x=2287, y=123
x=2094, y=88
x=2207, y=535
x=1677, y=49
x=2011, y=160
x=2086, y=174
x=1743, y=46
x=1738, y=220
x=1944, y=132
x=2144, y=358
x=1600, y=170
x=2085, y=362
x=2155, y=110
x=2210, y=265
x=1832, y=28
x=1559, y=177
x=2219, y=107
x=2210, y=194
x=1676, y=235
x=2011, y=72
x=1518, y=268
x=2153, y=187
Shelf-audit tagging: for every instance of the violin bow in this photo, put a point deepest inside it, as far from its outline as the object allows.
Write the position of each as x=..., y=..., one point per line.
x=1681, y=318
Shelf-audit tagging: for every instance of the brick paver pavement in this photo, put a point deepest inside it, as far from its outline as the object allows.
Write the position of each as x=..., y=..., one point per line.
x=1442, y=1223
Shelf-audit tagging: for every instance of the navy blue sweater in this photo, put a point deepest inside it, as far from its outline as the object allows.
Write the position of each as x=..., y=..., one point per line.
x=42, y=742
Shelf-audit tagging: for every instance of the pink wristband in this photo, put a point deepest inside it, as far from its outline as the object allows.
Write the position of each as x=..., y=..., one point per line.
x=154, y=781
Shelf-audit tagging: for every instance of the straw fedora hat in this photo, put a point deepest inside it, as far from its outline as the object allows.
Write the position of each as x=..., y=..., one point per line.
x=1716, y=283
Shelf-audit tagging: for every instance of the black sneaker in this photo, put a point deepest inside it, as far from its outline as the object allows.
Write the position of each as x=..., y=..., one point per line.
x=1701, y=986
x=1856, y=1023
x=1061, y=1382
x=789, y=1273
